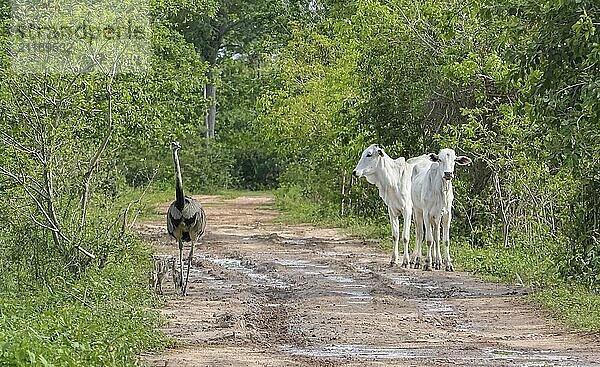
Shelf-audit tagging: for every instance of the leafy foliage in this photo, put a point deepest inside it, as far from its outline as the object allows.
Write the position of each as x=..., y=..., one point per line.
x=303, y=88
x=75, y=291
x=101, y=319
x=512, y=84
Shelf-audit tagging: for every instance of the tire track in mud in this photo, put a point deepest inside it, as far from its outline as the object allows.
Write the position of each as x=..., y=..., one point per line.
x=266, y=294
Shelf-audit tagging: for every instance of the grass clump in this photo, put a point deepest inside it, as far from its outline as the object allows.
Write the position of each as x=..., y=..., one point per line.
x=295, y=209
x=516, y=265
x=104, y=318
x=573, y=304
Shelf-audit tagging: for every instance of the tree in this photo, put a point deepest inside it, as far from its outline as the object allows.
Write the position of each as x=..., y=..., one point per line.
x=65, y=135
x=560, y=61
x=234, y=29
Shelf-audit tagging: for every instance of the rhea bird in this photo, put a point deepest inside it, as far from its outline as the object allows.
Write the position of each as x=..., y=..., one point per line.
x=186, y=220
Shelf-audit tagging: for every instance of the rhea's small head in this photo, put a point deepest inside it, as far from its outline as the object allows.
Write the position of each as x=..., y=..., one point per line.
x=175, y=146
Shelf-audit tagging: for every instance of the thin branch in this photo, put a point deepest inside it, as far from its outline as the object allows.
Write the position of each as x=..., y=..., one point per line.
x=94, y=161
x=43, y=225
x=416, y=32
x=578, y=120
x=483, y=76
x=36, y=186
x=9, y=140
x=85, y=252
x=23, y=184
x=30, y=102
x=19, y=104
x=571, y=87
x=139, y=200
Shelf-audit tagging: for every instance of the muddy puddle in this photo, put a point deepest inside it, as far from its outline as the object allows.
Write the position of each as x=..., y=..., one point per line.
x=239, y=266
x=423, y=355
x=263, y=293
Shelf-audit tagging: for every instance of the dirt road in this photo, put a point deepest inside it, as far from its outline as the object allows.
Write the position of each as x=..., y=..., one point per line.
x=267, y=294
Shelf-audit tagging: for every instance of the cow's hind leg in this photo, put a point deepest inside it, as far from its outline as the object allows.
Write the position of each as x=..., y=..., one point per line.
x=429, y=238
x=428, y=266
x=419, y=234
x=406, y=236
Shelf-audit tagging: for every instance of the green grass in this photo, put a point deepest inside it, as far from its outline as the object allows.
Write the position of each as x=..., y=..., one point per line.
x=574, y=305
x=143, y=202
x=234, y=193
x=296, y=210
x=103, y=318
x=516, y=265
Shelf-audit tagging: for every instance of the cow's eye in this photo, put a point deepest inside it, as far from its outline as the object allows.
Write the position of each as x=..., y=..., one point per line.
x=369, y=154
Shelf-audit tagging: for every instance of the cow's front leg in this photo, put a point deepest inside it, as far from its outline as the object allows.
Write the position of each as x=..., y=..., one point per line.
x=429, y=239
x=446, y=238
x=407, y=214
x=395, y=235
x=437, y=255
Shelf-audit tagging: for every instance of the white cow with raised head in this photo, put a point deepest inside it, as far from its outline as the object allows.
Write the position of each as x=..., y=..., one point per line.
x=432, y=197
x=393, y=179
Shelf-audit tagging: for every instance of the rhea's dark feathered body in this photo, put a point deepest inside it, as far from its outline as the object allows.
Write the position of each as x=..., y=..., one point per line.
x=186, y=220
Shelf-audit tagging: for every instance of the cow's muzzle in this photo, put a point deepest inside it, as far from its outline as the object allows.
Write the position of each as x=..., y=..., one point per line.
x=354, y=173
x=448, y=176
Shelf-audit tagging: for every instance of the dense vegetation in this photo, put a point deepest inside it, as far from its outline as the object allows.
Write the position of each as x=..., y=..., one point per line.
x=74, y=289
x=285, y=95
x=513, y=84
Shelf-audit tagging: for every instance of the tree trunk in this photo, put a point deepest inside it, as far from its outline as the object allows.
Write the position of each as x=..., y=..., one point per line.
x=210, y=92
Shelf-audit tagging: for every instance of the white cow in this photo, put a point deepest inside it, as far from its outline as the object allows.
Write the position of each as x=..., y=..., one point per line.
x=432, y=197
x=393, y=179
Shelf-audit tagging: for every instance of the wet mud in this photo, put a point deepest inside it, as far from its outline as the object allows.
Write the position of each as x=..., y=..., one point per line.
x=263, y=293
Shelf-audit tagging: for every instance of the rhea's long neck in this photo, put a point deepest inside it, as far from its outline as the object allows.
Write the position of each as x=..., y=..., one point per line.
x=179, y=199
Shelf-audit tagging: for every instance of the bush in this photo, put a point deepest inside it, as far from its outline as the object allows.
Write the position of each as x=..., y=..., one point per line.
x=206, y=166
x=256, y=166
x=101, y=319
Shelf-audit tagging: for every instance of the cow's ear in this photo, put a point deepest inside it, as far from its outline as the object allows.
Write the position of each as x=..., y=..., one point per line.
x=462, y=160
x=434, y=157
x=380, y=152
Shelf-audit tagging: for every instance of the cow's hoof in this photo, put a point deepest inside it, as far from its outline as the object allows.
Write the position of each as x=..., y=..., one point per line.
x=449, y=268
x=416, y=266
x=426, y=268
x=393, y=263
